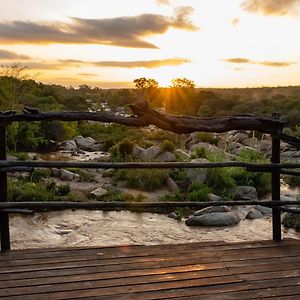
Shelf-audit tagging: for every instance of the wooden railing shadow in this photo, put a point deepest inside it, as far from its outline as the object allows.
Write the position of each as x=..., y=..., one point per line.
x=142, y=116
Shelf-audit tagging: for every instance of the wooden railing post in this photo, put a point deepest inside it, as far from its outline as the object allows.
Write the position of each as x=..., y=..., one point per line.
x=275, y=158
x=4, y=218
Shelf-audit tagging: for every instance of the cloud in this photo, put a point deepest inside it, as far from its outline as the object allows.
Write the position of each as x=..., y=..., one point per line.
x=143, y=63
x=271, y=7
x=238, y=60
x=9, y=55
x=235, y=22
x=163, y=2
x=127, y=31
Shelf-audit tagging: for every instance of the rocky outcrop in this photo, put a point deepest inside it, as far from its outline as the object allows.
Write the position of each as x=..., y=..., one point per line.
x=197, y=175
x=98, y=192
x=213, y=219
x=172, y=185
x=88, y=144
x=245, y=193
x=212, y=209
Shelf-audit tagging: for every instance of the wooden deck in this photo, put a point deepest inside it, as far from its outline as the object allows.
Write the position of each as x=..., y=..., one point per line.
x=215, y=270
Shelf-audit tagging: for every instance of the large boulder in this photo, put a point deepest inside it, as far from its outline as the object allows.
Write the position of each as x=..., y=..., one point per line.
x=213, y=219
x=212, y=209
x=138, y=152
x=166, y=157
x=67, y=175
x=88, y=144
x=151, y=153
x=68, y=145
x=245, y=192
x=172, y=185
x=264, y=209
x=99, y=192
x=254, y=214
x=213, y=197
x=197, y=175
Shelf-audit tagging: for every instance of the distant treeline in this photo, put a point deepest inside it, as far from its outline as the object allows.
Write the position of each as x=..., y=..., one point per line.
x=181, y=98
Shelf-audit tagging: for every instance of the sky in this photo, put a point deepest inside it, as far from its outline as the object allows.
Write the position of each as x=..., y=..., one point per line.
x=215, y=43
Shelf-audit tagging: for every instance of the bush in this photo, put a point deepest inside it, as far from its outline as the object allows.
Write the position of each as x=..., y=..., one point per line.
x=200, y=152
x=63, y=190
x=167, y=145
x=198, y=192
x=38, y=174
x=20, y=155
x=206, y=137
x=292, y=181
x=220, y=181
x=116, y=196
x=122, y=150
x=144, y=179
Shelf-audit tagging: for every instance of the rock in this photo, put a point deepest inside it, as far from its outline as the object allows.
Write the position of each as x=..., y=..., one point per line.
x=66, y=175
x=55, y=172
x=245, y=193
x=232, y=146
x=197, y=175
x=150, y=153
x=254, y=214
x=11, y=157
x=172, y=185
x=173, y=215
x=99, y=192
x=264, y=209
x=138, y=152
x=242, y=211
x=264, y=146
x=214, y=219
x=166, y=157
x=250, y=142
x=213, y=197
x=68, y=145
x=88, y=144
x=212, y=209
x=240, y=137
x=76, y=177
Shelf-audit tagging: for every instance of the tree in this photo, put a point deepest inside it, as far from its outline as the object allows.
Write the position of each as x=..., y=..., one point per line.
x=13, y=87
x=183, y=83
x=145, y=83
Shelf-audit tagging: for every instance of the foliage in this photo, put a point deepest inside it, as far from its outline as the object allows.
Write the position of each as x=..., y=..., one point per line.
x=20, y=155
x=144, y=179
x=198, y=192
x=293, y=181
x=167, y=145
x=122, y=150
x=183, y=83
x=116, y=196
x=144, y=83
x=200, y=152
x=206, y=137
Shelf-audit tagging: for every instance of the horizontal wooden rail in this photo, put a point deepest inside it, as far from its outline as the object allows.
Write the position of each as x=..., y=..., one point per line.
x=141, y=205
x=22, y=165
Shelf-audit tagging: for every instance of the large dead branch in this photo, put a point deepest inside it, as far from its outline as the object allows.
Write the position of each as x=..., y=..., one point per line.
x=143, y=115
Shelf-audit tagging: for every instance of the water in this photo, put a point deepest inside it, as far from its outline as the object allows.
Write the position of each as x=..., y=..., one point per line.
x=96, y=228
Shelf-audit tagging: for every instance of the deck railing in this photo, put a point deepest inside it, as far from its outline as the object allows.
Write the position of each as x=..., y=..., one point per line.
x=143, y=116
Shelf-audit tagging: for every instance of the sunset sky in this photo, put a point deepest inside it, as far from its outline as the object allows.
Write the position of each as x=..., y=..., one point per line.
x=216, y=43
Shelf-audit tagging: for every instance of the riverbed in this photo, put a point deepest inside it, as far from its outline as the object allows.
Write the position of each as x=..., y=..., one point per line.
x=97, y=228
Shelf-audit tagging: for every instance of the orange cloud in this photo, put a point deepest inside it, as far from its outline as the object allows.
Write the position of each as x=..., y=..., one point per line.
x=9, y=55
x=271, y=7
x=121, y=31
x=238, y=60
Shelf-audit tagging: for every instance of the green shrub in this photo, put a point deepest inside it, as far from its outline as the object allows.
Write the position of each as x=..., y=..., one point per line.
x=292, y=181
x=20, y=155
x=63, y=190
x=144, y=179
x=177, y=196
x=200, y=152
x=167, y=145
x=220, y=181
x=198, y=192
x=19, y=190
x=206, y=137
x=116, y=196
x=38, y=174
x=122, y=150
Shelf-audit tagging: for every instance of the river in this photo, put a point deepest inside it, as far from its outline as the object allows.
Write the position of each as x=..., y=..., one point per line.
x=96, y=228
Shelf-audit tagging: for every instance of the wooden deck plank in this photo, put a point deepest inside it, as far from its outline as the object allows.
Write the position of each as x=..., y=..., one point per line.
x=249, y=270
